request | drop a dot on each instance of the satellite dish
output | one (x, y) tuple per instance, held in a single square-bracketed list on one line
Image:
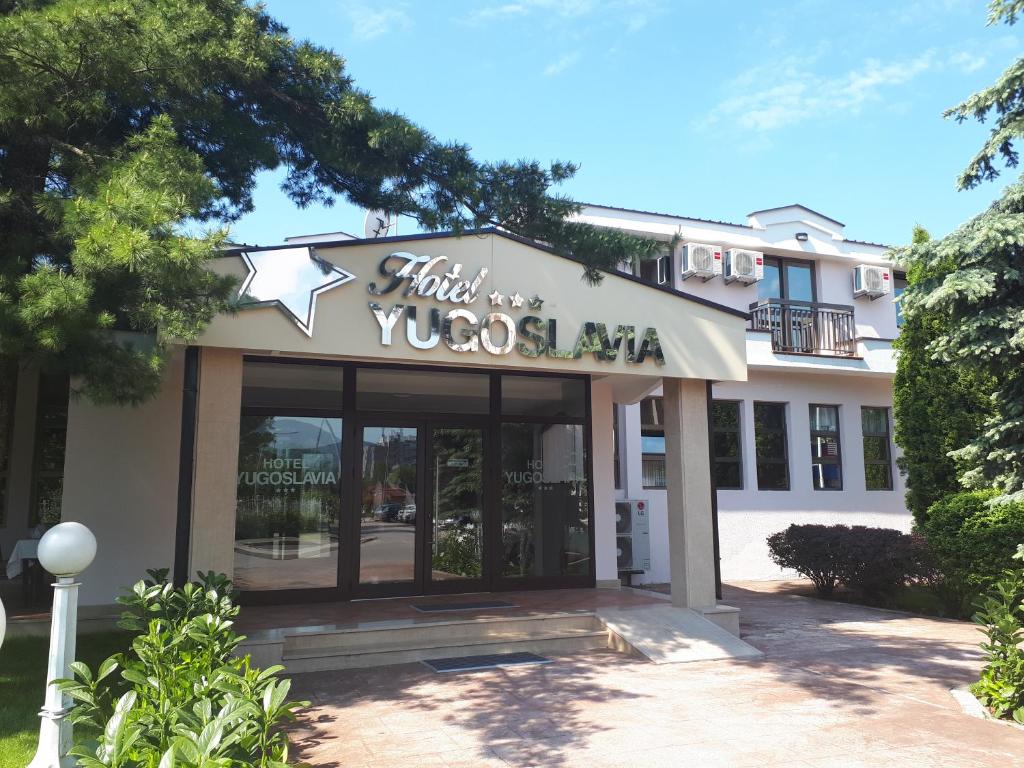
[(378, 224)]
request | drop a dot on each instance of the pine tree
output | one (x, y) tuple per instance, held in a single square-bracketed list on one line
[(131, 133)]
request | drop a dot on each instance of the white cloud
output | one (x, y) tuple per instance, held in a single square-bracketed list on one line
[(787, 92), (637, 12), (563, 62), (372, 21)]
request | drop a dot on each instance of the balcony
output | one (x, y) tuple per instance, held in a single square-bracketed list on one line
[(806, 327)]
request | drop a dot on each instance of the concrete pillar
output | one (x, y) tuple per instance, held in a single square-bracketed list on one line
[(604, 484), (631, 456), (215, 476), (688, 482)]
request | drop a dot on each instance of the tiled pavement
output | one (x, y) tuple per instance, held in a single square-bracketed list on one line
[(841, 686)]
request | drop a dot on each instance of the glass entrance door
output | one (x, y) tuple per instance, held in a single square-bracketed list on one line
[(455, 533), (389, 510)]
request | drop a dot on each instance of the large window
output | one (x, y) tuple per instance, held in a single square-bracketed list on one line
[(652, 442), (726, 444), (877, 457), (771, 446), (545, 500), (826, 458), (51, 436), (289, 477), (787, 279), (8, 390), (657, 271)]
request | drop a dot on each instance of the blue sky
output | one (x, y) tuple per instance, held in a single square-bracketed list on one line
[(701, 109)]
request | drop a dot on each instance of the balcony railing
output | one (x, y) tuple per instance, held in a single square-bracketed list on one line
[(806, 327)]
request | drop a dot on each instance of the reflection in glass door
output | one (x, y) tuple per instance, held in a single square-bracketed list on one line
[(456, 534), (388, 505), (286, 519)]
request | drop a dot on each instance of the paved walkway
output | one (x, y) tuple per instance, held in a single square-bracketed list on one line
[(840, 685)]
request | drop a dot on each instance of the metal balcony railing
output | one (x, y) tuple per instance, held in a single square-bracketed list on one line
[(806, 327)]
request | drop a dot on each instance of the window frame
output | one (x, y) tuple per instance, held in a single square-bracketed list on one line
[(898, 277), (784, 460), (738, 431), (887, 435), (662, 270), (652, 429), (812, 433), (781, 262)]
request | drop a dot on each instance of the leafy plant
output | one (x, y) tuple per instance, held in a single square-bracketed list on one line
[(971, 541), (873, 561), (182, 696), (1001, 617)]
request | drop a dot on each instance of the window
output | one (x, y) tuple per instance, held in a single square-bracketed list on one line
[(877, 458), (51, 435), (728, 453), (543, 397), (771, 446), (656, 271), (787, 279), (826, 461), (899, 285), (8, 390), (652, 442)]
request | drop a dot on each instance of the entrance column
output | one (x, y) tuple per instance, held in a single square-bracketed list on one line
[(688, 482)]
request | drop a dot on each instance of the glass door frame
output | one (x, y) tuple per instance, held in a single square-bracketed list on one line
[(350, 484)]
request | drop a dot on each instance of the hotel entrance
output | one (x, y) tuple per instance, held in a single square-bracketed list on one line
[(358, 482)]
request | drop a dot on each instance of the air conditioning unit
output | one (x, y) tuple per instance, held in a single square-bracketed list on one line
[(701, 260), (743, 266), (633, 535), (871, 281)]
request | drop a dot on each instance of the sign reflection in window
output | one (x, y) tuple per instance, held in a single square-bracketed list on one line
[(286, 520), (545, 504)]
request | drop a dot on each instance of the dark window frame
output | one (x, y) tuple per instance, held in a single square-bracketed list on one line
[(782, 261), (898, 277), (837, 460), (784, 460), (887, 435), (738, 431), (655, 428)]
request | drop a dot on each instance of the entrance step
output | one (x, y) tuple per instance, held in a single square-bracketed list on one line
[(402, 643)]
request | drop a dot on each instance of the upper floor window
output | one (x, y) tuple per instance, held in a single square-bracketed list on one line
[(771, 446), (652, 442), (787, 279), (899, 285), (726, 444), (657, 271), (877, 458), (826, 461)]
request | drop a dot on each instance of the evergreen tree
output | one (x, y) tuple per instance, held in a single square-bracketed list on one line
[(973, 281), (937, 408), (131, 133)]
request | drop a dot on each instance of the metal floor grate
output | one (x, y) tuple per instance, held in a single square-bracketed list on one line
[(462, 606), (488, 661)]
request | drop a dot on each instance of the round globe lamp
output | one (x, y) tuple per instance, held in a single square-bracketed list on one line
[(65, 551)]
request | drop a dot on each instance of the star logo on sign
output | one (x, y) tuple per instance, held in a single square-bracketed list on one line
[(496, 298), (291, 278), (516, 299), (536, 302)]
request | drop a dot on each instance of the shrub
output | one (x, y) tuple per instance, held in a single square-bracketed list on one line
[(182, 697), (811, 550), (972, 543), (1001, 616), (873, 561)]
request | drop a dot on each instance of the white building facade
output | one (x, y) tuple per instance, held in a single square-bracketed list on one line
[(808, 437)]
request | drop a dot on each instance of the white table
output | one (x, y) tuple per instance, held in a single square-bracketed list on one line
[(25, 549)]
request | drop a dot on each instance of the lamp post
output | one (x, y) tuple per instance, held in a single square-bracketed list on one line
[(65, 551)]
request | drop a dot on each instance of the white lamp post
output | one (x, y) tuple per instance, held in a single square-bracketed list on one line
[(65, 551)]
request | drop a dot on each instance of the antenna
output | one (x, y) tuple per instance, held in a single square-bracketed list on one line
[(379, 224)]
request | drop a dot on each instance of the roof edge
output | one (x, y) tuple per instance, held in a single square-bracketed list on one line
[(797, 205)]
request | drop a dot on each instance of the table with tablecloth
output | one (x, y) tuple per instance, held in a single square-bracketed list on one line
[(25, 549)]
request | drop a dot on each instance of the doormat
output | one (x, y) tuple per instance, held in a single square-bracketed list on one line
[(488, 661), (459, 606)]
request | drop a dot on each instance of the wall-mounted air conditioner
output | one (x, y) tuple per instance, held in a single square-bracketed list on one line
[(633, 535), (701, 260), (871, 281), (743, 266)]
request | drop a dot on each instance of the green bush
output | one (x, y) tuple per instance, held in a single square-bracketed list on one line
[(971, 543), (182, 697), (1001, 616), (873, 561)]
